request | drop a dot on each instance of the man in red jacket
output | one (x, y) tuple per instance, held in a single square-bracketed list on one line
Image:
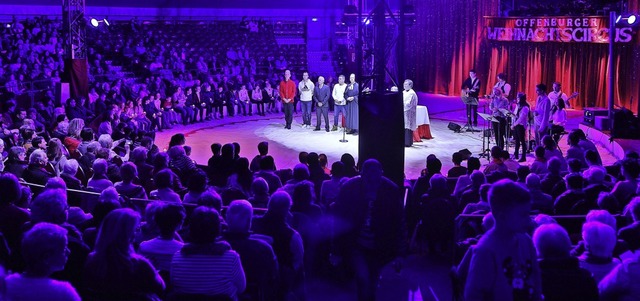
[(287, 91)]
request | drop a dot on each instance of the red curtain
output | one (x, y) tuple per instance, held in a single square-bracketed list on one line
[(448, 40), (77, 71)]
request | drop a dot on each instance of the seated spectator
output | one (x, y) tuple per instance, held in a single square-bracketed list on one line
[(512, 165), (161, 163), (552, 183), (540, 201), (631, 233), (600, 240), (163, 181), (572, 201), (45, 251), (595, 184), (241, 178), (222, 168), (621, 282), (421, 186), (300, 174), (86, 136), (330, 189), (482, 206), (36, 172), (562, 276), (587, 146), (258, 259), (438, 214), (575, 151), (180, 162), (36, 143), (626, 189), (350, 168), (86, 161), (267, 172), (69, 171), (99, 181), (472, 194), (127, 188), (145, 170), (316, 173), (575, 167), (463, 182), (593, 159), (160, 250), (113, 270), (496, 164), (539, 165), (108, 201), (287, 242), (260, 191), (12, 217), (324, 161), (522, 173), (263, 150), (198, 188), (505, 253), (551, 151), (204, 266), (51, 206), (16, 163), (457, 169)]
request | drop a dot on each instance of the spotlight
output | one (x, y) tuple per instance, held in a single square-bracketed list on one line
[(367, 21), (95, 22), (627, 20), (8, 25)]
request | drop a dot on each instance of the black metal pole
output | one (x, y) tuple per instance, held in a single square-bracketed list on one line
[(380, 44), (611, 79), (400, 45)]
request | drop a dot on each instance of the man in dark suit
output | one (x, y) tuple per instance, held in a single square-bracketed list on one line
[(191, 105), (321, 95), (36, 172)]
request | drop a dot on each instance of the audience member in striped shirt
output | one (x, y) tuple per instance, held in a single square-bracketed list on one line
[(204, 266)]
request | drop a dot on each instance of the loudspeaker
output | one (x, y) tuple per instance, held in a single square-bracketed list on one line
[(381, 133), (465, 153), (454, 127)]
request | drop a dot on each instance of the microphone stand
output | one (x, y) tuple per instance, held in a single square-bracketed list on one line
[(344, 135)]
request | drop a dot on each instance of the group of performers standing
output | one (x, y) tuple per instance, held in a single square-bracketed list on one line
[(548, 118), (345, 98)]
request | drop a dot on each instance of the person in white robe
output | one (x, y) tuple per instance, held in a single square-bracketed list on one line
[(410, 100)]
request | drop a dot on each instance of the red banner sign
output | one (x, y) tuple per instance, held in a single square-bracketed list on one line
[(554, 29)]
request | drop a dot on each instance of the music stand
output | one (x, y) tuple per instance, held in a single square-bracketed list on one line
[(486, 146), (469, 101), (508, 114)]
